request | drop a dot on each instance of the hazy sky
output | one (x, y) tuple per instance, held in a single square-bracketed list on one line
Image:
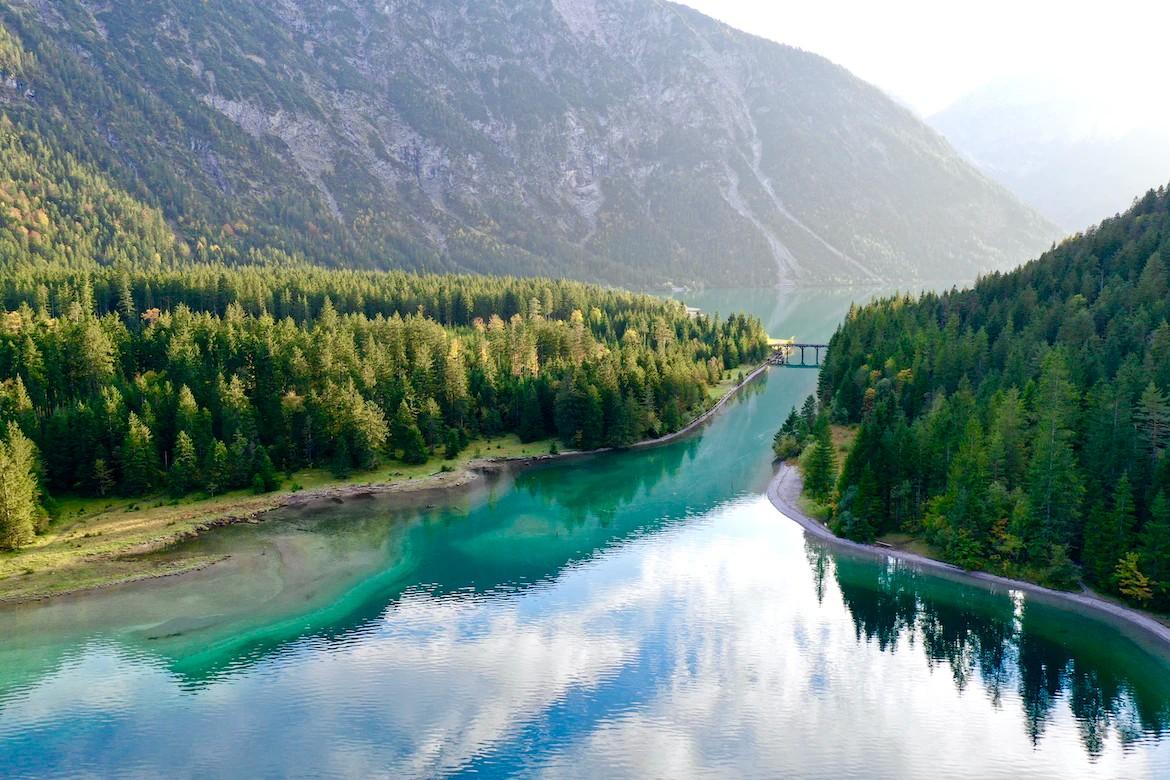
[(930, 52)]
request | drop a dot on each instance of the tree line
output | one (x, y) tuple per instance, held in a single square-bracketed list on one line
[(1022, 425), (128, 381)]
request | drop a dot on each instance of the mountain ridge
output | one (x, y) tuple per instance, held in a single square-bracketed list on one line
[(623, 141)]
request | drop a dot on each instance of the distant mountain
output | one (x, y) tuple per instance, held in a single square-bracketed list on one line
[(627, 141), (1056, 150)]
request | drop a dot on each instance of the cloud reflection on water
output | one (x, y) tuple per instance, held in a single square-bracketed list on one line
[(702, 650)]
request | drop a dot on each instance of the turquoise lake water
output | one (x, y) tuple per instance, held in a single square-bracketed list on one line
[(645, 614)]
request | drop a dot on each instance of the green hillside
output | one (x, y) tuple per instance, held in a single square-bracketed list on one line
[(1022, 425)]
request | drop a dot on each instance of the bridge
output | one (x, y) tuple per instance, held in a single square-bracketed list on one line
[(784, 351)]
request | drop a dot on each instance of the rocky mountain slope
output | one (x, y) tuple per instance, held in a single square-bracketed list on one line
[(629, 141)]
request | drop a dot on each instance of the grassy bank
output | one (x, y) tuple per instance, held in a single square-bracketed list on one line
[(843, 436), (94, 542)]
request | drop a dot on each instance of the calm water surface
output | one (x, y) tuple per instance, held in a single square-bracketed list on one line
[(646, 614)]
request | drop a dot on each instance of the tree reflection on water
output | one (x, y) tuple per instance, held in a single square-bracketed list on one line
[(1013, 648)]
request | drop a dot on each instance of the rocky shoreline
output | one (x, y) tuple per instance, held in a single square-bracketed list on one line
[(784, 492)]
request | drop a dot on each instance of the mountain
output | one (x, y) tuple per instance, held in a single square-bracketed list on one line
[(626, 141), (1022, 425), (1057, 149)]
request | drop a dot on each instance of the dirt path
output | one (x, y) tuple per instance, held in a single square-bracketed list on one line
[(784, 493)]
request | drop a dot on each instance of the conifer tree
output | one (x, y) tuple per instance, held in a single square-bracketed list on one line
[(19, 491), (265, 479), (341, 466), (569, 411), (626, 421), (139, 459), (183, 476), (1153, 417), (592, 420), (1109, 534), (454, 443), (958, 518), (788, 441), (531, 423), (406, 436), (820, 473), (808, 413), (1155, 550), (1054, 488), (239, 462), (1005, 445), (217, 474), (430, 422), (103, 477)]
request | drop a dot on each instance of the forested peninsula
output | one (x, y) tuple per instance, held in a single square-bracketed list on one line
[(153, 374), (1020, 426), (129, 382)]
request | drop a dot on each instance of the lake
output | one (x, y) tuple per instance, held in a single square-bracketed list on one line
[(643, 614)]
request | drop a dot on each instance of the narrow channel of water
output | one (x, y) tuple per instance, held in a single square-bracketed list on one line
[(639, 614)]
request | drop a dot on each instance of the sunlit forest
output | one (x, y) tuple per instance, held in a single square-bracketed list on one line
[(211, 378), (1022, 425)]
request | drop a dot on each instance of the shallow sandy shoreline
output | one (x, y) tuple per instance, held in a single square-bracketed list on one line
[(435, 488), (784, 493)]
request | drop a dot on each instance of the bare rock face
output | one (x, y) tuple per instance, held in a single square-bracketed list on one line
[(627, 141), (582, 19)]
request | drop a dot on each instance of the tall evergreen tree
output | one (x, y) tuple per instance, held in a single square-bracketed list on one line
[(369, 432), (959, 519), (531, 423), (341, 466), (103, 477), (406, 436), (1109, 534), (1006, 448), (217, 472), (820, 472), (1054, 486), (1153, 418), (139, 459), (183, 476), (19, 491), (1155, 550), (265, 479)]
